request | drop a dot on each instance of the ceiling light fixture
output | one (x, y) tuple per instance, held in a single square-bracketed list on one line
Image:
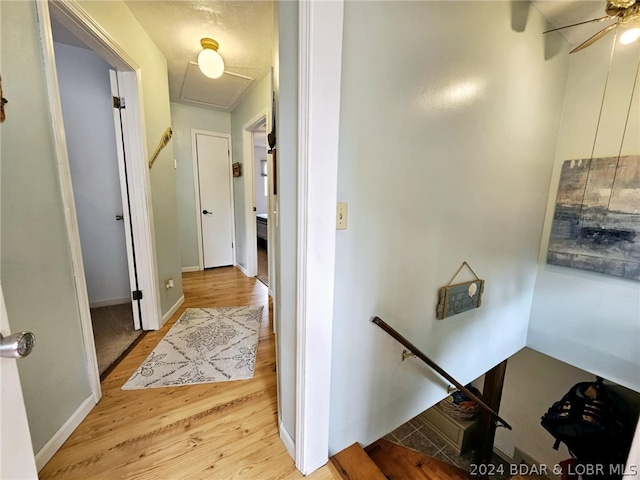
[(209, 60)]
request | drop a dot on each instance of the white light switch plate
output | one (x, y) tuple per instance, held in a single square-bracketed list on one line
[(341, 216)]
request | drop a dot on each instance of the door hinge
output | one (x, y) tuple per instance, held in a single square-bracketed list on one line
[(136, 294), (118, 102)]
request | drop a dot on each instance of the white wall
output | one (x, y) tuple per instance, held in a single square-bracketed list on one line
[(37, 273), (259, 155), (88, 117), (584, 318), (118, 21), (183, 119), (446, 152)]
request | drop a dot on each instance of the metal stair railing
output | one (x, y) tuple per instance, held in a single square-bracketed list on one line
[(416, 351)]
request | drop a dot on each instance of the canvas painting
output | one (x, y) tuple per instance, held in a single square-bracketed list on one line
[(596, 225)]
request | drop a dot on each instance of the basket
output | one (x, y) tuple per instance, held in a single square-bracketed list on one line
[(460, 407)]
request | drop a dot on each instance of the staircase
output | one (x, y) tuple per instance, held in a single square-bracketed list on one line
[(383, 460)]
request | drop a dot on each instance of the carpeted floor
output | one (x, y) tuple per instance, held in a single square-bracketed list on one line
[(113, 333)]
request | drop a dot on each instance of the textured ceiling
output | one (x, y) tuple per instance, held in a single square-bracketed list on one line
[(243, 28)]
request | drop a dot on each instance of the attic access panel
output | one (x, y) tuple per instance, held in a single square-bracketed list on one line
[(219, 93)]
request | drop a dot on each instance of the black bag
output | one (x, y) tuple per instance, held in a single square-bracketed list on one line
[(593, 422)]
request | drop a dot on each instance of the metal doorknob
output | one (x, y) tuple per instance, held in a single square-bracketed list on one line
[(17, 345), (207, 212)]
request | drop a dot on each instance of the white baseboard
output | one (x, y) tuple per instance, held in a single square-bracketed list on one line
[(242, 269), (108, 303), (172, 310), (289, 444), (53, 445), (191, 269), (522, 457)]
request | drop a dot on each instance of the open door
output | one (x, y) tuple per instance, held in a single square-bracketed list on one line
[(16, 451), (134, 184), (134, 282)]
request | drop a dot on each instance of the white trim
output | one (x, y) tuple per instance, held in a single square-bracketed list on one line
[(196, 191), (173, 310), (243, 270), (135, 150), (53, 445), (91, 33), (66, 187), (319, 60), (195, 268), (286, 438), (110, 302), (250, 236)]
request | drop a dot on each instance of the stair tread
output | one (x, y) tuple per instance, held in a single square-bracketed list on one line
[(353, 463), (402, 463)]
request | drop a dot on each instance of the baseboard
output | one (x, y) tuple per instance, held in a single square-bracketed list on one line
[(53, 445), (172, 310), (289, 444), (504, 455), (242, 269), (522, 457), (191, 269), (108, 303)]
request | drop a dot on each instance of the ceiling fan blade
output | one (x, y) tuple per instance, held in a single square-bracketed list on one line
[(595, 38), (595, 20)]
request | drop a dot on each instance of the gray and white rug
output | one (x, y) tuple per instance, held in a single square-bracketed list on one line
[(205, 345)]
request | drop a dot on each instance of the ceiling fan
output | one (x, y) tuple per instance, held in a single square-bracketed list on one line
[(626, 14)]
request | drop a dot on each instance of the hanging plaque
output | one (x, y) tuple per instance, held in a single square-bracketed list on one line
[(460, 297)]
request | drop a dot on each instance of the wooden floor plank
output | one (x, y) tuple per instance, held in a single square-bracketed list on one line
[(353, 463), (401, 463), (215, 431)]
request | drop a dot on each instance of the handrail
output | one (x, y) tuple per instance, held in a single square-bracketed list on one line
[(416, 351)]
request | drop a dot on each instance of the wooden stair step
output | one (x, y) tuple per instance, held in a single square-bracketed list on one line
[(353, 463), (402, 463)]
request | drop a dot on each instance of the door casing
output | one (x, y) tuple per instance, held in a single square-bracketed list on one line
[(83, 26)]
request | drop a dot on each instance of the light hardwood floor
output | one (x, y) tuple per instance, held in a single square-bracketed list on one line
[(212, 431)]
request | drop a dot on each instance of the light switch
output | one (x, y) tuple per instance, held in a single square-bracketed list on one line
[(341, 216)]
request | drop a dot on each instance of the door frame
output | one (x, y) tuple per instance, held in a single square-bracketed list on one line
[(248, 160), (196, 188), (132, 144), (320, 27), (81, 24)]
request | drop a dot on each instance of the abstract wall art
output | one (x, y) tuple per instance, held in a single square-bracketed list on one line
[(596, 224)]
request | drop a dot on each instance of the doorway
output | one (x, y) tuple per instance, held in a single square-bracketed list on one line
[(214, 198), (101, 204), (124, 84), (261, 200)]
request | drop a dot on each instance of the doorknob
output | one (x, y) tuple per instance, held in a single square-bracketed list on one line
[(207, 212), (18, 345)]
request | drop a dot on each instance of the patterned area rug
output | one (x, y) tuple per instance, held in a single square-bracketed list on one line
[(205, 345)]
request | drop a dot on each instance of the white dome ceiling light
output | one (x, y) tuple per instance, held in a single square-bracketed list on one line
[(209, 60)]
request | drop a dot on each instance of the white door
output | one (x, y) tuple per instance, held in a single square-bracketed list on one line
[(16, 452), (125, 174), (216, 202)]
